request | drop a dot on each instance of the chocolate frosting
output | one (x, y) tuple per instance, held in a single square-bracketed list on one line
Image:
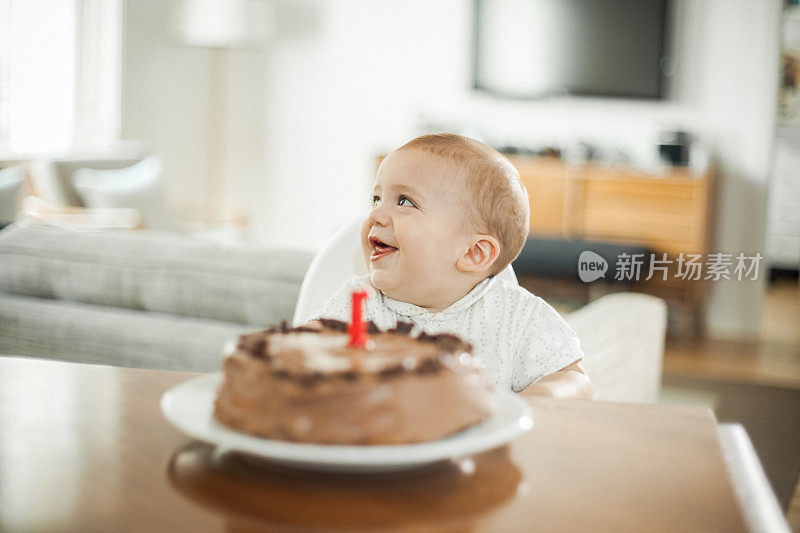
[(305, 384)]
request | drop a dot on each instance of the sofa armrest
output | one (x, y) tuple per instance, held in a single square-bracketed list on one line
[(622, 336)]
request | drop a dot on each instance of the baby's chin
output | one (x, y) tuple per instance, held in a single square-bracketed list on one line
[(385, 284), (401, 292), (378, 281)]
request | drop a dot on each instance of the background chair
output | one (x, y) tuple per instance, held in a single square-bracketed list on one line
[(37, 210), (11, 180), (138, 186), (339, 260)]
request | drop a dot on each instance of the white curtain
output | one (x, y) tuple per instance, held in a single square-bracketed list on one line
[(60, 69)]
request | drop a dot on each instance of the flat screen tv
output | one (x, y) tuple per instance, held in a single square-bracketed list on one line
[(540, 48)]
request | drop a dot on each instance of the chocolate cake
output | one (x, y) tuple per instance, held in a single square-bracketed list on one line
[(307, 385)]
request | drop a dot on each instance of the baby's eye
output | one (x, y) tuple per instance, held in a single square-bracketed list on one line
[(376, 201), (405, 201)]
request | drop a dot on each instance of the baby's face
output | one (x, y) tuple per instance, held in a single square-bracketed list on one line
[(415, 232)]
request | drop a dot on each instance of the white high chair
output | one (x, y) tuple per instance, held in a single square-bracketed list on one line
[(622, 334), (339, 260)]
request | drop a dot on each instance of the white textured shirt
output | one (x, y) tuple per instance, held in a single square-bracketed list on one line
[(518, 336)]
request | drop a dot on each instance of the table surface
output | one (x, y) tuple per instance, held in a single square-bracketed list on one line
[(86, 448)]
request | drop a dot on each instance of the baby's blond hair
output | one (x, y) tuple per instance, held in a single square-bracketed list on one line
[(497, 192)]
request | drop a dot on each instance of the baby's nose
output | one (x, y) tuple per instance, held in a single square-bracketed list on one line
[(379, 216)]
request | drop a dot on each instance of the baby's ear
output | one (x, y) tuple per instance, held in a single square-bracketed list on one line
[(480, 256)]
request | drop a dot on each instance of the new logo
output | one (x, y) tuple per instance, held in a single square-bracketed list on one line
[(591, 266)]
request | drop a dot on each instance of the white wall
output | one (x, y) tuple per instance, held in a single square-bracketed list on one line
[(307, 117), (360, 85), (342, 95), (165, 96)]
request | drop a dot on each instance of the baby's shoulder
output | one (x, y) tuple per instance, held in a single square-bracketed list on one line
[(508, 294)]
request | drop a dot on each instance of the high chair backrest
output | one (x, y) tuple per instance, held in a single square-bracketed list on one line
[(339, 260)]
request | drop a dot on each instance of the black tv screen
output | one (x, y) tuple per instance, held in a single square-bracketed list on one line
[(539, 48)]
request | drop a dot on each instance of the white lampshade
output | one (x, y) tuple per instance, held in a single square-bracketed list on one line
[(224, 23)]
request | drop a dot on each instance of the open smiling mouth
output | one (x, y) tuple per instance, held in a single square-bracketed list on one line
[(379, 249)]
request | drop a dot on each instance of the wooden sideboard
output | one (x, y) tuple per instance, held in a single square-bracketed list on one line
[(671, 212), (668, 212)]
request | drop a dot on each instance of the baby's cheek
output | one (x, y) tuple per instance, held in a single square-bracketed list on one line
[(365, 227)]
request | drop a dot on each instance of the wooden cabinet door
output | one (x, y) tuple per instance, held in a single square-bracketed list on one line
[(548, 182)]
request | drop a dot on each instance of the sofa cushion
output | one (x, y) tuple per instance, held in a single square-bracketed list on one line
[(154, 271), (83, 333)]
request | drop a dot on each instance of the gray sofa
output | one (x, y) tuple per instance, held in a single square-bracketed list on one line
[(165, 301), (137, 298)]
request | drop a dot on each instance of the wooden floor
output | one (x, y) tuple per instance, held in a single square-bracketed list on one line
[(772, 360)]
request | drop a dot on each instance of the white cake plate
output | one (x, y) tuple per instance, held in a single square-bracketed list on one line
[(189, 406)]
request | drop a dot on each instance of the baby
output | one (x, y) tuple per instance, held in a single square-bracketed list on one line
[(448, 215)]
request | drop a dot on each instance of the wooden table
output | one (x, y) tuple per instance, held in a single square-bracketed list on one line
[(86, 448)]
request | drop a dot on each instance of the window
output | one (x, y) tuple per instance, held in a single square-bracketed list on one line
[(60, 67)]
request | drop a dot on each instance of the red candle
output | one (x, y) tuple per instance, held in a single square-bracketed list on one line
[(357, 328)]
